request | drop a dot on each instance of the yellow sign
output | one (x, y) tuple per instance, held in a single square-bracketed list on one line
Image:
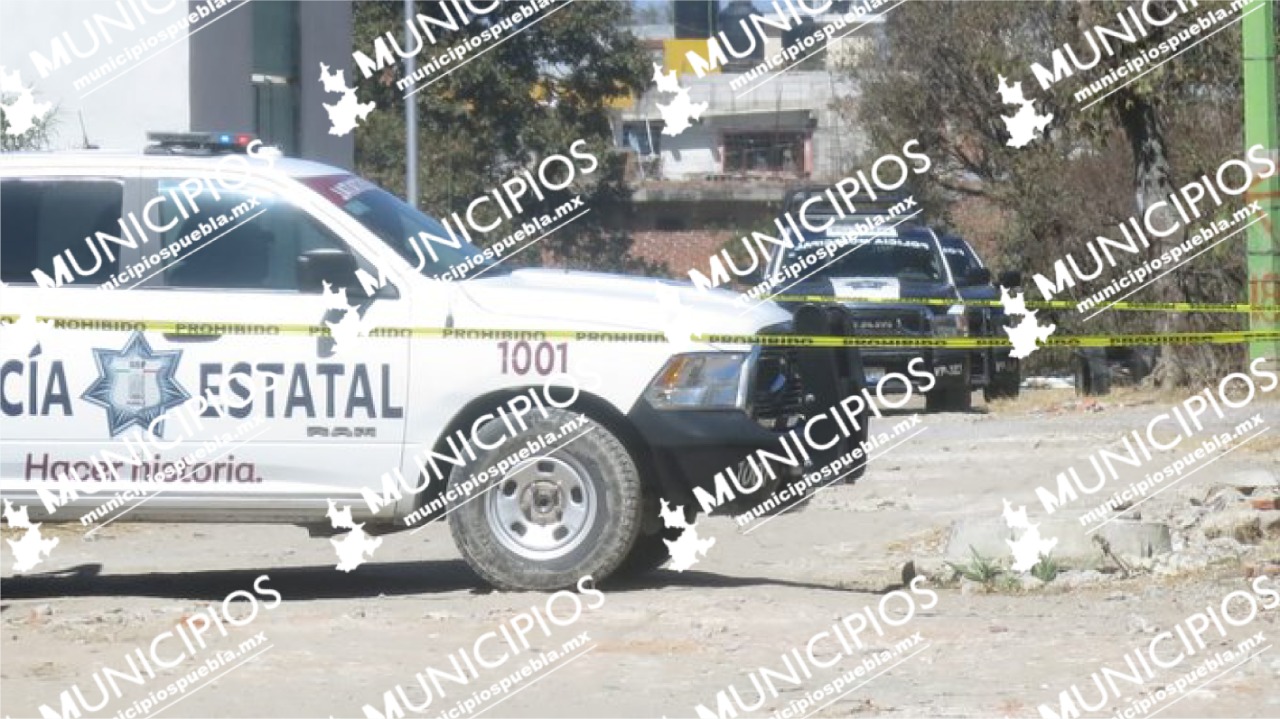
[(675, 55)]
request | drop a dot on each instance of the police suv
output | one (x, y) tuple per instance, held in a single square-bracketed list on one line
[(873, 269), (994, 371), (207, 334)]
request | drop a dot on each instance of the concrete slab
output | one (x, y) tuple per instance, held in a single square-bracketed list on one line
[(1249, 479), (1075, 548)]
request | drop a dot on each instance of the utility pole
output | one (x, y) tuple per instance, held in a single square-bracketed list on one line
[(410, 117), (1260, 127)]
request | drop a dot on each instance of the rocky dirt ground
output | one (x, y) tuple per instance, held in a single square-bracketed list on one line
[(664, 645)]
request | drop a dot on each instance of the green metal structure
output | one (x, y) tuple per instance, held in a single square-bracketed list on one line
[(1260, 127)]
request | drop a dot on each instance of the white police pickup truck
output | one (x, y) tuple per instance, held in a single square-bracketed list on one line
[(186, 374)]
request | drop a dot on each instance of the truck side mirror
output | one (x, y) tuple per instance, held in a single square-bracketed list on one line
[(336, 267), (752, 278), (1011, 278)]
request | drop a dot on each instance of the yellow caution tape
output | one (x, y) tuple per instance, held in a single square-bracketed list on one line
[(980, 342), (462, 333), (1039, 304), (188, 329)]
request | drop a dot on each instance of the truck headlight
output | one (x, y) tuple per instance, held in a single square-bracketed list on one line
[(702, 380), (955, 323)]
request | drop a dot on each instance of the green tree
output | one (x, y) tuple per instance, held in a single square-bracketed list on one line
[(530, 96), (37, 137), (934, 76)]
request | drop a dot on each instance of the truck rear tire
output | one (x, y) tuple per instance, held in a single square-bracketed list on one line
[(1140, 363), (573, 509), (949, 398), (1006, 385), (1093, 374)]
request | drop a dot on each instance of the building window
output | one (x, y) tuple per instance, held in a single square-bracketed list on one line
[(275, 107), (765, 152), (275, 38), (643, 138), (275, 74)]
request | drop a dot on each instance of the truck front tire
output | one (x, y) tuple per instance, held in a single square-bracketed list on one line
[(1006, 384), (572, 509), (649, 553), (1093, 374), (949, 398)]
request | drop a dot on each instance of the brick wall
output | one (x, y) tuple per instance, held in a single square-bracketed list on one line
[(681, 250)]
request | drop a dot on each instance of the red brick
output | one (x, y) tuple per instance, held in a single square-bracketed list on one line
[(681, 250)]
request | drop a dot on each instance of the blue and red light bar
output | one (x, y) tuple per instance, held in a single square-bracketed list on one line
[(198, 143)]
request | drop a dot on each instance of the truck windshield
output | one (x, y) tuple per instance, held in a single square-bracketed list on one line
[(961, 261), (419, 238), (907, 259)]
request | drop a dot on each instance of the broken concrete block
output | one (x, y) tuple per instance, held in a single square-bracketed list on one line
[(1270, 523), (1242, 525), (1074, 548), (1250, 480)]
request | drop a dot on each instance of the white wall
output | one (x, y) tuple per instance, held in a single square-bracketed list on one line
[(149, 93), (691, 154), (786, 102), (695, 152)]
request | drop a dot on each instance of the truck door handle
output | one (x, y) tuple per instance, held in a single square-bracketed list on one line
[(179, 337)]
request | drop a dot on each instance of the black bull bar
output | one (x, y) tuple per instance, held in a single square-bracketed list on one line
[(830, 373)]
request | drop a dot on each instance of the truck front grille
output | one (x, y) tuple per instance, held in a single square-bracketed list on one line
[(881, 323)]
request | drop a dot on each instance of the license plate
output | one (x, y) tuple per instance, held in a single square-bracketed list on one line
[(873, 374)]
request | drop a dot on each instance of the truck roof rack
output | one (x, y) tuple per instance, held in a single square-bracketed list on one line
[(863, 201)]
